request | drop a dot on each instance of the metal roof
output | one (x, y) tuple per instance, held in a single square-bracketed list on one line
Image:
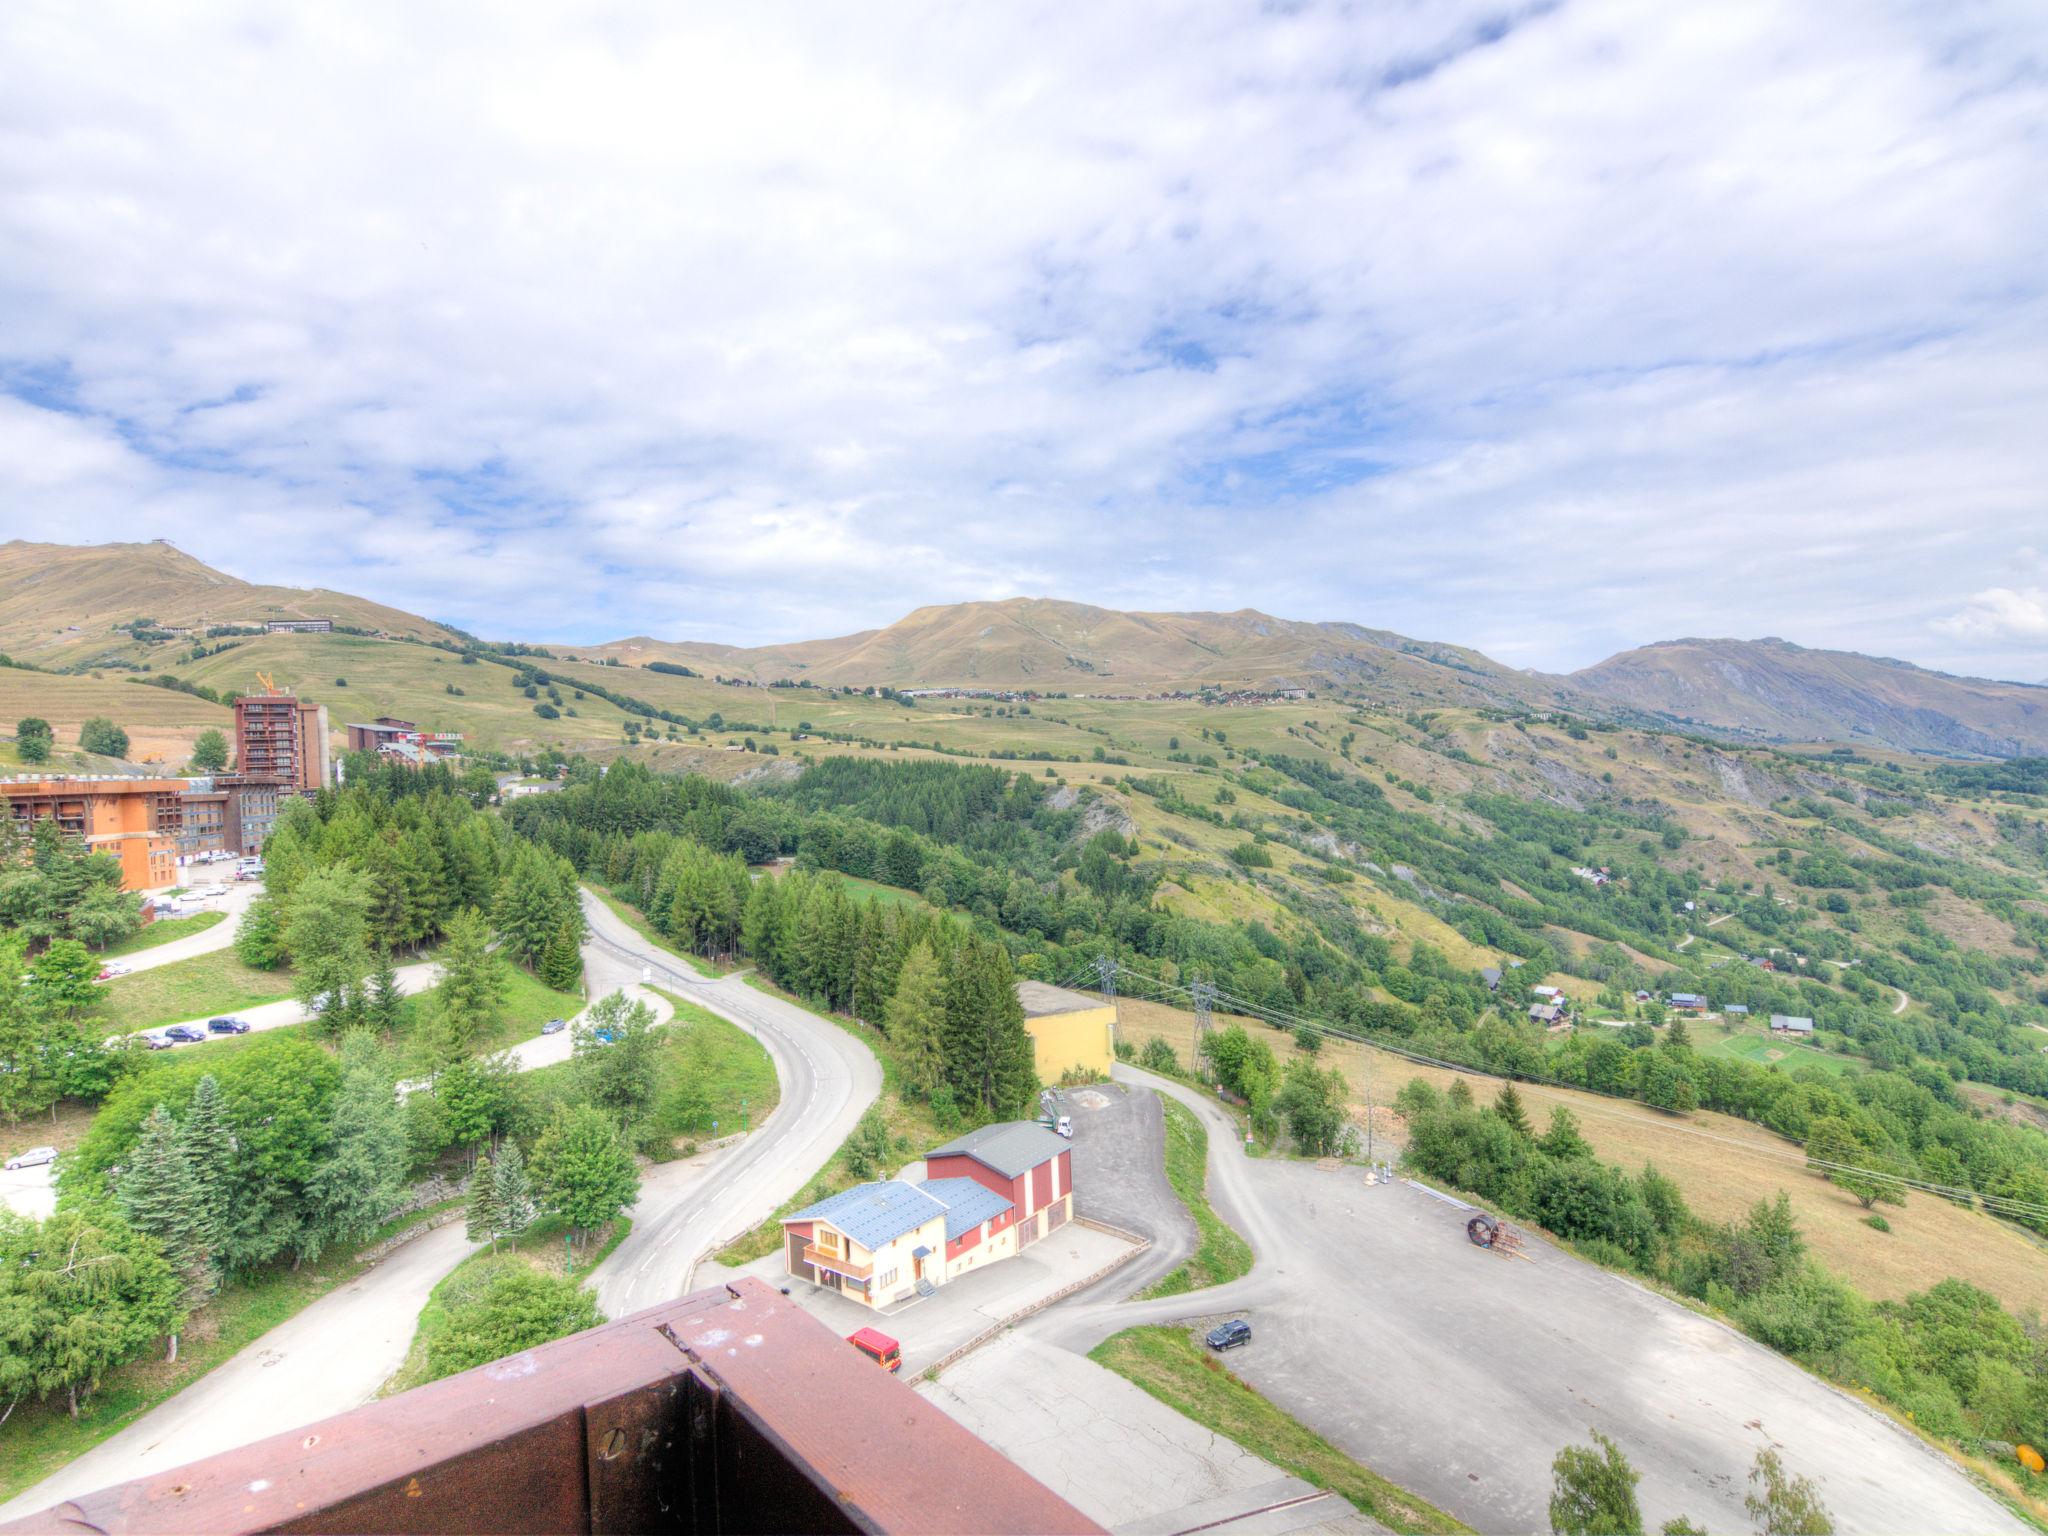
[(1010, 1147), (874, 1214), (1797, 1023), (967, 1204), (1040, 998)]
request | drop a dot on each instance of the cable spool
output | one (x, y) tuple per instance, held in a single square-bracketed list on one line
[(1483, 1230)]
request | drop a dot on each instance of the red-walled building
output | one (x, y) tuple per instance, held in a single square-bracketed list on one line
[(1021, 1161)]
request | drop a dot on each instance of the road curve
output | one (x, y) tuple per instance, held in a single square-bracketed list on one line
[(335, 1354), (828, 1080), (237, 901)]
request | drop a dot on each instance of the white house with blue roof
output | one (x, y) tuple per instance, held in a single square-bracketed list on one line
[(888, 1241)]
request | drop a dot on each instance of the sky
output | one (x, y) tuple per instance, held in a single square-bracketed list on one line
[(1550, 329)]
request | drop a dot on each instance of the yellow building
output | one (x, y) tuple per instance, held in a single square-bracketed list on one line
[(1069, 1031)]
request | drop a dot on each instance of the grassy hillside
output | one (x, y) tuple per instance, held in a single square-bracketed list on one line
[(59, 603), (161, 724)]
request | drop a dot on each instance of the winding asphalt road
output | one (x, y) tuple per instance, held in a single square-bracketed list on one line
[(1459, 1374), (828, 1080), (335, 1354)]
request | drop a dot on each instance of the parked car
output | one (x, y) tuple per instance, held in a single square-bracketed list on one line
[(227, 1026), (554, 1026), (184, 1032), (155, 1043), (604, 1036), (1229, 1335), (34, 1157)]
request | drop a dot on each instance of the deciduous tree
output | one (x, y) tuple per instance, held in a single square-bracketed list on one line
[(1593, 1491), (581, 1171)]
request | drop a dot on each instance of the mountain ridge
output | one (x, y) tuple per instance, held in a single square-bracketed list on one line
[(61, 607)]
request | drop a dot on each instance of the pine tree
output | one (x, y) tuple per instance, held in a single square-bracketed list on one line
[(381, 997), (1509, 1107), (157, 1196), (360, 1179), (511, 1191), (1562, 1139), (483, 1220), (1676, 1036), (472, 990), (561, 963), (988, 1052), (759, 922), (917, 1020), (209, 1148)]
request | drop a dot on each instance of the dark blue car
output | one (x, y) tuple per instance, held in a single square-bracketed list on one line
[(1229, 1335), (184, 1032)]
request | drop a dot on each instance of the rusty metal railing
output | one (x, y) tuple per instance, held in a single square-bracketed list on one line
[(728, 1410)]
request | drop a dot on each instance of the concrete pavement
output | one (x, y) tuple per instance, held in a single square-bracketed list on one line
[(1459, 1374), (1119, 1455)]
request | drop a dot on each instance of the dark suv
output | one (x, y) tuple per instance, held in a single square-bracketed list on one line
[(1229, 1335), (226, 1027)]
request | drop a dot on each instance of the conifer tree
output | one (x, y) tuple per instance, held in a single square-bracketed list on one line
[(561, 963), (511, 1191), (381, 997), (1562, 1139), (483, 1221), (1509, 1107), (472, 990), (988, 1053), (360, 1179), (916, 1018), (156, 1194), (209, 1148)]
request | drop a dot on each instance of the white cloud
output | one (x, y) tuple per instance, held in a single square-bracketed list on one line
[(761, 323), (2000, 614)]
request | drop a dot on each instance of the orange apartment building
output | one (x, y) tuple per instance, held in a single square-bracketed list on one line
[(282, 736), (138, 821)]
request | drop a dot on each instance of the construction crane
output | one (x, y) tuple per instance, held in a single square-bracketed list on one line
[(268, 685)]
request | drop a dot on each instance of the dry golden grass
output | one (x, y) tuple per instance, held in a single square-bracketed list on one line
[(1724, 1165), (161, 724)]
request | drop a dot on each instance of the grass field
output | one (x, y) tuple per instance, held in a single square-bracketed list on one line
[(1724, 1165), (1172, 1366), (41, 1437), (190, 989), (528, 1004), (63, 1125), (1221, 1254), (163, 931), (731, 1066), (1754, 1044)]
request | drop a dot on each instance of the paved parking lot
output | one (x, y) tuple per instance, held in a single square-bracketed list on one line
[(1459, 1374), (1119, 1455)]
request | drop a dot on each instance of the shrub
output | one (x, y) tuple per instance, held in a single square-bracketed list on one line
[(504, 1308), (1158, 1056)]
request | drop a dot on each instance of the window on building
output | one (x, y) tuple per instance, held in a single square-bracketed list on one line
[(885, 1279)]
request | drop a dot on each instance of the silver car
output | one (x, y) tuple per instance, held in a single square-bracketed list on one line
[(34, 1157)]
